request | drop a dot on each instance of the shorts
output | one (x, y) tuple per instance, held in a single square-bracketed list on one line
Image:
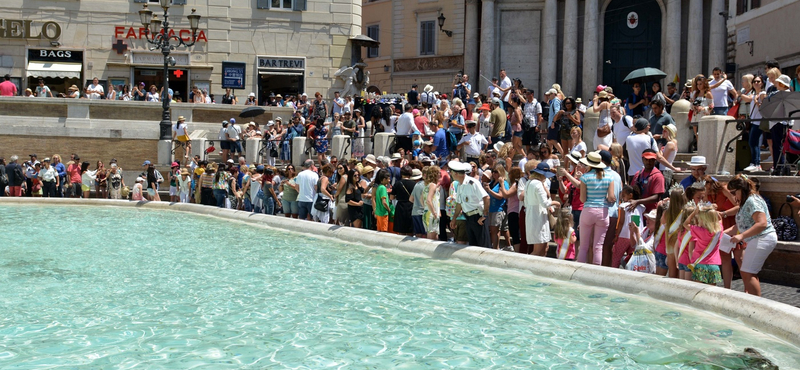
[(304, 209), (553, 133), (85, 187), (15, 191), (683, 267), (183, 138), (290, 207), (225, 145), (236, 146), (419, 227), (564, 134), (661, 260), (151, 192), (498, 219), (382, 223), (707, 274), (757, 251), (530, 137), (173, 191), (460, 233), (518, 133)]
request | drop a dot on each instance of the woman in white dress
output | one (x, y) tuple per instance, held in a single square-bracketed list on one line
[(666, 154), (537, 203), (603, 106)]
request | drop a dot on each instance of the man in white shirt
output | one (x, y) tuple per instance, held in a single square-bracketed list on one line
[(234, 134), (95, 91), (307, 182), (622, 129), (405, 127), (338, 103), (637, 143), (532, 119), (472, 200), (720, 88), (505, 88), (475, 142)]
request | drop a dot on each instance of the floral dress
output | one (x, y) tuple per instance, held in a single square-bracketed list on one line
[(321, 145), (429, 219)]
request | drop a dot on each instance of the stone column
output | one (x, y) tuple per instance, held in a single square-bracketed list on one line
[(694, 40), (717, 43), (569, 64), (549, 40), (673, 58), (471, 41), (590, 57), (488, 57)]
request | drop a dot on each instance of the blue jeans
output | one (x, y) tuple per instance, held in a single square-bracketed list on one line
[(720, 111), (755, 145), (269, 206), (304, 209), (220, 195)]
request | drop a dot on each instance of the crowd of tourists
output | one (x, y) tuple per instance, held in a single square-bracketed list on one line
[(500, 170)]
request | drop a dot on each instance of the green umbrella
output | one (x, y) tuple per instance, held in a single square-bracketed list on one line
[(643, 75)]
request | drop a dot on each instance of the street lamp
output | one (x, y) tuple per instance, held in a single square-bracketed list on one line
[(161, 39), (441, 19)]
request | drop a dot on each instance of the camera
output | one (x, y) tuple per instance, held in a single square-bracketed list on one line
[(789, 198), (457, 78), (697, 102)]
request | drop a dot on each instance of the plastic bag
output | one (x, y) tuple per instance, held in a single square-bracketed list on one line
[(643, 259)]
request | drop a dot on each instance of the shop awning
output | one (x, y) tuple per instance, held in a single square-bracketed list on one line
[(53, 69), (281, 73)]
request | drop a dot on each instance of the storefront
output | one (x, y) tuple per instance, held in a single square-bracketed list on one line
[(59, 69), (280, 75)]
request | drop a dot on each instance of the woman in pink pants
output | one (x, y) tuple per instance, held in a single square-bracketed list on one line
[(597, 192)]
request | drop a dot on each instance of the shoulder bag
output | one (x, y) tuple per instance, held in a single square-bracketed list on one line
[(320, 204)]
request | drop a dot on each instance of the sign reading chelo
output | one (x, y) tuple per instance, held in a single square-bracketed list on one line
[(23, 29)]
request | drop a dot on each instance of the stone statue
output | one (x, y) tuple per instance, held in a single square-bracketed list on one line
[(355, 79)]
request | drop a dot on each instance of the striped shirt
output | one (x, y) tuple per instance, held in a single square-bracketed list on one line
[(596, 189)]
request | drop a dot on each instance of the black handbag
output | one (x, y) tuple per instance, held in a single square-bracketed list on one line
[(785, 227), (321, 204)]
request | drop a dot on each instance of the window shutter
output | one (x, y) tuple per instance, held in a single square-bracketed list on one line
[(739, 7), (139, 1), (755, 4), (178, 2), (262, 4), (299, 5)]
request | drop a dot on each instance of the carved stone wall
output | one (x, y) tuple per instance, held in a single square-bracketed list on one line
[(429, 63)]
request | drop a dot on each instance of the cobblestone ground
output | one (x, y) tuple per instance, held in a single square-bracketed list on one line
[(779, 293)]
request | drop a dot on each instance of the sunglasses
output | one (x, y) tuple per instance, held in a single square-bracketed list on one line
[(757, 81)]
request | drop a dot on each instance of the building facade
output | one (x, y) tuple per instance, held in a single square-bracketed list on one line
[(414, 50), (287, 46), (576, 43), (764, 30)]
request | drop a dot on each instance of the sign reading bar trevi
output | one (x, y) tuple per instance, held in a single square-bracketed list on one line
[(281, 63), (26, 29), (158, 58)]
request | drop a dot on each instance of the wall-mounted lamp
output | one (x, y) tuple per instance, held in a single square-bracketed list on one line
[(386, 68), (725, 14), (55, 43), (750, 43), (441, 24)]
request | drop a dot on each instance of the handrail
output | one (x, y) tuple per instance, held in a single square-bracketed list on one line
[(741, 125)]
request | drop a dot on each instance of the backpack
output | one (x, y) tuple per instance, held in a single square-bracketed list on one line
[(18, 175), (461, 92), (785, 226), (452, 143)]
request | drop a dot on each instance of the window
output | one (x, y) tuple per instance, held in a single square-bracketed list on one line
[(281, 4), (374, 33), (174, 2), (743, 6), (427, 38)]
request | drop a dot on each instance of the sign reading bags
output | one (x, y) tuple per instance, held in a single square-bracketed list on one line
[(64, 56)]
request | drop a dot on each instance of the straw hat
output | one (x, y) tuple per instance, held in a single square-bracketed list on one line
[(602, 95), (688, 83), (366, 170), (371, 159), (184, 171), (428, 88), (73, 88), (415, 174), (497, 146), (593, 160), (697, 161)]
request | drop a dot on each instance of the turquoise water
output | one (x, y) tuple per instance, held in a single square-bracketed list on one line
[(129, 288)]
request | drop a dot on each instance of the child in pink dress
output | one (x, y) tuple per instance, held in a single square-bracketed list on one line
[(706, 235), (564, 236), (682, 243)]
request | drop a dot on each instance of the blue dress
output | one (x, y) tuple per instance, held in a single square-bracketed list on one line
[(321, 145)]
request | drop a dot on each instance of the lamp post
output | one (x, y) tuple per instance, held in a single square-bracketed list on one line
[(162, 40), (441, 19)]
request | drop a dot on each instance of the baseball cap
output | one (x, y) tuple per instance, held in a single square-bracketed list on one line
[(649, 154), (233, 120), (146, 163), (641, 124), (175, 164), (551, 92)]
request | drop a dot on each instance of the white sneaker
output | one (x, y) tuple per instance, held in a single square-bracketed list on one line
[(769, 159), (750, 168)]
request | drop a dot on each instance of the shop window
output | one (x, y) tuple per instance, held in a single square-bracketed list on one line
[(374, 33), (174, 2), (297, 5), (427, 38), (743, 6)]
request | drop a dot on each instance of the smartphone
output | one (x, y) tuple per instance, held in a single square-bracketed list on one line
[(635, 219)]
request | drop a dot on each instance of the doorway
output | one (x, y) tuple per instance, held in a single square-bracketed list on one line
[(284, 84), (632, 40), (178, 80)]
